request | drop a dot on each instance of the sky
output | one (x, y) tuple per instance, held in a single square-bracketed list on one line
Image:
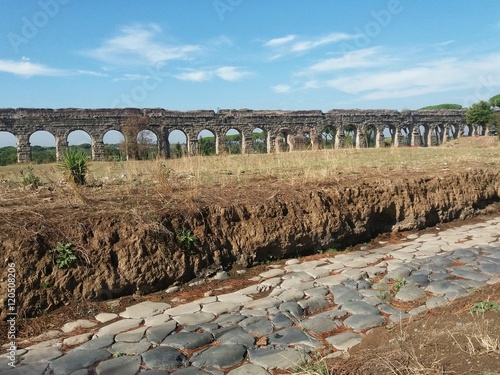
[(257, 54)]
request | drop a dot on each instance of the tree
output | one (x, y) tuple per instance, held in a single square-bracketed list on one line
[(495, 101), (480, 114), (443, 106)]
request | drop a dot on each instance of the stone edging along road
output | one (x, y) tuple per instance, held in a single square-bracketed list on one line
[(308, 301)]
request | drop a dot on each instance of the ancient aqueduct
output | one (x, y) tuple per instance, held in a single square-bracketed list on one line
[(282, 128)]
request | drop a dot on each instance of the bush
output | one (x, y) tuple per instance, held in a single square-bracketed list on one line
[(75, 164), (64, 256)]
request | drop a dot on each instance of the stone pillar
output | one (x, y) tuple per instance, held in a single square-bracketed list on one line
[(192, 146), (246, 144), (163, 145), (23, 149), (98, 151), (61, 147)]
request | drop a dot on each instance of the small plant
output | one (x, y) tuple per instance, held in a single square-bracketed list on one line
[(484, 306), (398, 284), (187, 239), (64, 256), (30, 178), (75, 165)]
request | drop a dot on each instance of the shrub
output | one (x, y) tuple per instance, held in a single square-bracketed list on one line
[(30, 178), (64, 256), (75, 164), (187, 239)]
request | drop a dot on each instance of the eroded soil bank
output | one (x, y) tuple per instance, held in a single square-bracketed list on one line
[(130, 249)]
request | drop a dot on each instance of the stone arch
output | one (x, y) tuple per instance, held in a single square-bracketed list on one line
[(329, 137), (260, 142), (78, 138), (423, 135), (42, 147), (114, 145), (390, 134), (177, 144), (406, 136), (147, 144), (438, 134), (234, 142), (350, 136), (303, 140), (207, 142), (8, 148), (282, 141), (453, 131), (468, 130), (372, 136)]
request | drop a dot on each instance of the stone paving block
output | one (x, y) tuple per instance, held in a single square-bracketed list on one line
[(187, 340), (234, 298), (126, 365), (277, 358), (129, 348), (119, 326), (319, 324), (229, 319), (444, 287), (262, 303), (144, 309), (344, 341), (78, 359), (320, 291), (188, 308), (301, 275), (187, 371), (280, 320), (78, 339), (434, 302), (157, 319), (409, 293), (131, 336), (45, 344), (234, 335), (360, 322), (360, 307), (97, 343), (157, 334), (313, 304), (163, 358), (248, 369), (258, 326), (222, 356), (272, 273), (332, 280), (218, 308), (318, 273), (44, 355), (80, 323), (33, 369), (293, 336), (291, 294), (193, 319), (467, 274), (354, 273)]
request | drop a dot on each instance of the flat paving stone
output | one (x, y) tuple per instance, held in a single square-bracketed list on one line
[(163, 358), (222, 356), (272, 273), (78, 359), (234, 335), (280, 320), (256, 325), (293, 336), (193, 319), (344, 341), (129, 348), (313, 304), (360, 307), (33, 369), (291, 294), (119, 326), (187, 340), (80, 323), (106, 317), (318, 324), (466, 274), (410, 293), (362, 322), (186, 371), (444, 287), (131, 336), (434, 302), (145, 309), (332, 280), (157, 334), (97, 343), (41, 355), (125, 365), (234, 298), (277, 358), (262, 303), (78, 339), (218, 308), (248, 369), (188, 308)]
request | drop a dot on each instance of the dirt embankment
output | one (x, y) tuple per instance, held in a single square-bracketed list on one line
[(121, 252)]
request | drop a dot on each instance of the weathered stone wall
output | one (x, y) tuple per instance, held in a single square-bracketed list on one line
[(283, 129)]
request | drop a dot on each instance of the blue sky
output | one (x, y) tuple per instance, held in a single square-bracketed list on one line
[(257, 54)]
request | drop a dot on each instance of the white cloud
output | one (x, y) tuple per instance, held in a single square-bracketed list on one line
[(442, 44), (91, 73), (425, 78), (226, 73), (306, 45), (282, 89), (26, 68), (357, 59), (230, 73), (139, 44), (279, 41)]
